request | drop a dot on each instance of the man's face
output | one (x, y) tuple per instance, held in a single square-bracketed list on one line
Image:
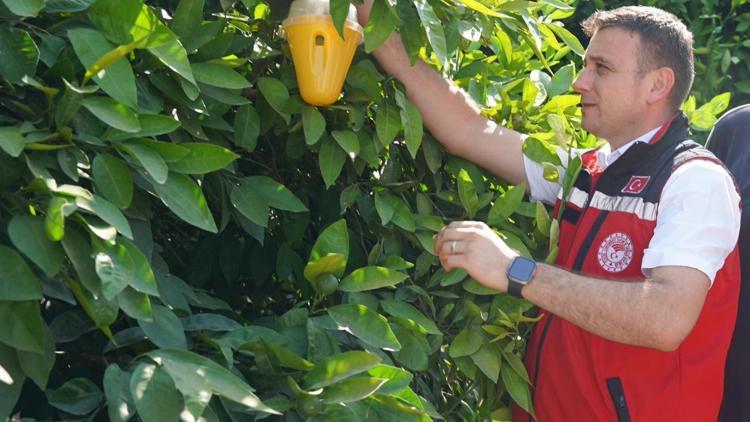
[(613, 93)]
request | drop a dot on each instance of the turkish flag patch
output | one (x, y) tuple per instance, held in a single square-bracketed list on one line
[(636, 184)]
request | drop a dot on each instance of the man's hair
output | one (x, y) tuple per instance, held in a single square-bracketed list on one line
[(664, 42)]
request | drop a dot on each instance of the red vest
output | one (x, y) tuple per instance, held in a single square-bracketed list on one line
[(606, 225)]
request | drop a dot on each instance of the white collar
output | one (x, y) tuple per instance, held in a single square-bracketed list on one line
[(605, 156)]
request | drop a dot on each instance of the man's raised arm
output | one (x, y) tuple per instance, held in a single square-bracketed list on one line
[(448, 112)]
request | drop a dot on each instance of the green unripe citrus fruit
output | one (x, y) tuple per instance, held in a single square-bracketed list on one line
[(326, 284)]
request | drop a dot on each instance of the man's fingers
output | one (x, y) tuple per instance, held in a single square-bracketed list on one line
[(452, 262)]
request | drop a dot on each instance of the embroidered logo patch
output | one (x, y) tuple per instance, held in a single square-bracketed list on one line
[(615, 252), (636, 184)]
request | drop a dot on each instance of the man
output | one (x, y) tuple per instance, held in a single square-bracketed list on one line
[(640, 306), (730, 141)]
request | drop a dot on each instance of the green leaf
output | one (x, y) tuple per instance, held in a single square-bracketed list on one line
[(54, 221), (404, 310), (11, 140), (166, 330), (38, 366), (517, 365), (151, 160), (117, 79), (339, 10), (352, 390), (102, 311), (276, 93), (333, 263), (331, 160), (185, 198), (340, 367), (313, 124), (116, 386), (398, 378), (154, 394), (211, 322), (540, 152), (19, 52), (370, 278), (274, 193), (187, 16), (23, 328), (542, 219), (113, 113), (517, 388), (28, 234), (412, 34), (151, 125), (246, 127), (135, 304), (113, 179), (487, 359), (122, 265), (434, 29), (569, 39), (194, 375), (368, 326), (174, 56), (250, 204), (218, 75), (387, 119), (287, 358), (506, 204), (718, 103), (412, 120), (107, 212), (467, 193), (12, 380), (562, 80), (383, 20), (18, 282), (78, 396), (467, 342), (202, 158), (415, 350), (348, 141), (28, 8)]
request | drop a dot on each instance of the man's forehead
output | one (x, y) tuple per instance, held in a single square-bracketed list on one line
[(611, 44)]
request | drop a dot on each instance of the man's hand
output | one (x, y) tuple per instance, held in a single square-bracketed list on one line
[(476, 249)]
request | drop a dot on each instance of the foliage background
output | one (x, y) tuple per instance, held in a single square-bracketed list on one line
[(181, 237)]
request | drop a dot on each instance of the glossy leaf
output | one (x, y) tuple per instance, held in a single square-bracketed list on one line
[(18, 282), (113, 179), (370, 278), (28, 234), (202, 158), (368, 326), (11, 140), (78, 396), (166, 330), (340, 367), (352, 389), (154, 394), (112, 113), (219, 75), (19, 52), (185, 198), (246, 127), (116, 385)]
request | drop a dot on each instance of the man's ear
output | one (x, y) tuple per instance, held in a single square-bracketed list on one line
[(661, 82)]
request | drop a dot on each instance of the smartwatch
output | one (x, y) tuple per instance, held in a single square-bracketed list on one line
[(520, 272)]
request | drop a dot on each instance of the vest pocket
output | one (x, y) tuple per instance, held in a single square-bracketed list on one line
[(614, 385)]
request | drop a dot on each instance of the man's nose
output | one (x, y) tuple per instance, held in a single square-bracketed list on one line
[(584, 81)]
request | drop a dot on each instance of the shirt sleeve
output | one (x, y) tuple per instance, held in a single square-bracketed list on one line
[(541, 189), (698, 221)]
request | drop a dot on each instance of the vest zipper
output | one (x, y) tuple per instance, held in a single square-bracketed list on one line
[(614, 385), (577, 265)]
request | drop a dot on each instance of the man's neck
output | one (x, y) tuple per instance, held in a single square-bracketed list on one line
[(654, 121)]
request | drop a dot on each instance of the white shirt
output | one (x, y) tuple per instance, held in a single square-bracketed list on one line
[(698, 222)]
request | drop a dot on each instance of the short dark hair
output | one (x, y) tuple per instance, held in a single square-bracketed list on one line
[(664, 39)]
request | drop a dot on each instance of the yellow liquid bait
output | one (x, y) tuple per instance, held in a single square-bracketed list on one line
[(321, 58)]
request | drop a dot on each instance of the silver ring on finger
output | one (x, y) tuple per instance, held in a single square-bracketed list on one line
[(453, 247)]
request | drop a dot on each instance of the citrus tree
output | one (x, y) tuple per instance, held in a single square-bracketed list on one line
[(182, 237)]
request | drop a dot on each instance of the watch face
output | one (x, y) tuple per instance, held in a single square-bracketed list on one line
[(522, 269)]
